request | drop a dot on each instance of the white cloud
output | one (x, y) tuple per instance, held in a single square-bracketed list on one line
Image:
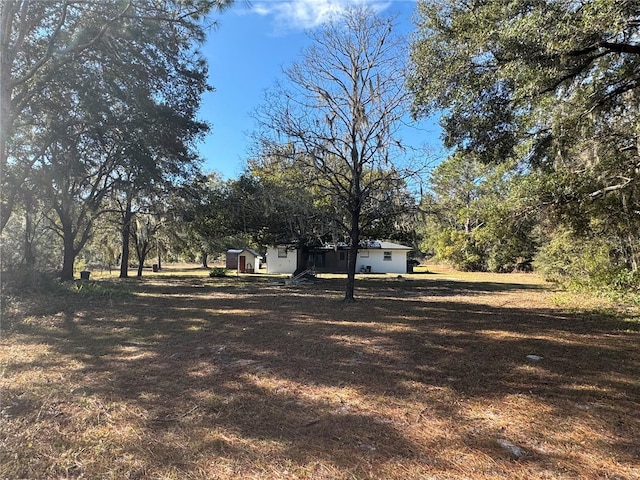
[(307, 14)]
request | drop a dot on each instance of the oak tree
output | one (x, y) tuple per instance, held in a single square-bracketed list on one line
[(339, 110), (553, 85)]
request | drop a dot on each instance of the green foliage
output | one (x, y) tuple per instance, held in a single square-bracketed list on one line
[(460, 249), (474, 219), (25, 244), (26, 280), (77, 122), (509, 72), (552, 87), (590, 264), (218, 272), (628, 280), (99, 289)]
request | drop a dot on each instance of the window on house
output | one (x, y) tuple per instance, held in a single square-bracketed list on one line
[(364, 254), (386, 256), (341, 255), (282, 252)]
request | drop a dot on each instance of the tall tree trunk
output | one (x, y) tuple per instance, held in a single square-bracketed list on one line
[(69, 254), (8, 191), (75, 233), (355, 209), (127, 216), (73, 243), (142, 248), (631, 241), (29, 251), (124, 258), (349, 295), (205, 256)]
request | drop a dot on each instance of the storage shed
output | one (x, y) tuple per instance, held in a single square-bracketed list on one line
[(243, 260)]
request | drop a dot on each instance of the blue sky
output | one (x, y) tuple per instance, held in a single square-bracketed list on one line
[(247, 52)]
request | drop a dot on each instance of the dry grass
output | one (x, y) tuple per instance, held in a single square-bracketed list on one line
[(426, 377)]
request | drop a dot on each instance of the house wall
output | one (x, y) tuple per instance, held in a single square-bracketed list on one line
[(375, 259), (332, 263), (281, 265), (397, 264)]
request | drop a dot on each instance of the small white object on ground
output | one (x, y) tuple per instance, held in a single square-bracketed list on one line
[(514, 450)]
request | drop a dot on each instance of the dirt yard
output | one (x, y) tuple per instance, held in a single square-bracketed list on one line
[(428, 376)]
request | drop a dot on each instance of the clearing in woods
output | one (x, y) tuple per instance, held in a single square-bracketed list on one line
[(433, 376)]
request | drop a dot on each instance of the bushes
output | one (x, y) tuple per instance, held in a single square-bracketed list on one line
[(569, 260), (480, 250), (592, 264), (29, 280), (628, 280), (461, 250), (218, 272)]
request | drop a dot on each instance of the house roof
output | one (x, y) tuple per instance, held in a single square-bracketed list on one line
[(364, 245), (239, 251), (390, 246)]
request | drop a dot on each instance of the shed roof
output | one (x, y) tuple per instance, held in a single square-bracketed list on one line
[(241, 250)]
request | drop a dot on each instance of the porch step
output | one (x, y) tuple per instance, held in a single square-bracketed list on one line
[(309, 272)]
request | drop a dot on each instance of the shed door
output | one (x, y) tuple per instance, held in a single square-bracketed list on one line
[(243, 263)]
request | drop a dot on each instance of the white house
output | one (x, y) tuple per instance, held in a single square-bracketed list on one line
[(281, 259), (373, 257), (382, 257)]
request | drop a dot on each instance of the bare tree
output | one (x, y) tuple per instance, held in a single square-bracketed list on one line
[(340, 109)]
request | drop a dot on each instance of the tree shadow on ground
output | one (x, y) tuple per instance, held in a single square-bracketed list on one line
[(294, 372)]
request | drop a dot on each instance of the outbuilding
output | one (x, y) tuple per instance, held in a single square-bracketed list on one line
[(243, 260)]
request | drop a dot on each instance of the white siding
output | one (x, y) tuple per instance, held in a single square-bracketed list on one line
[(375, 259), (277, 264), (251, 258), (252, 261)]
